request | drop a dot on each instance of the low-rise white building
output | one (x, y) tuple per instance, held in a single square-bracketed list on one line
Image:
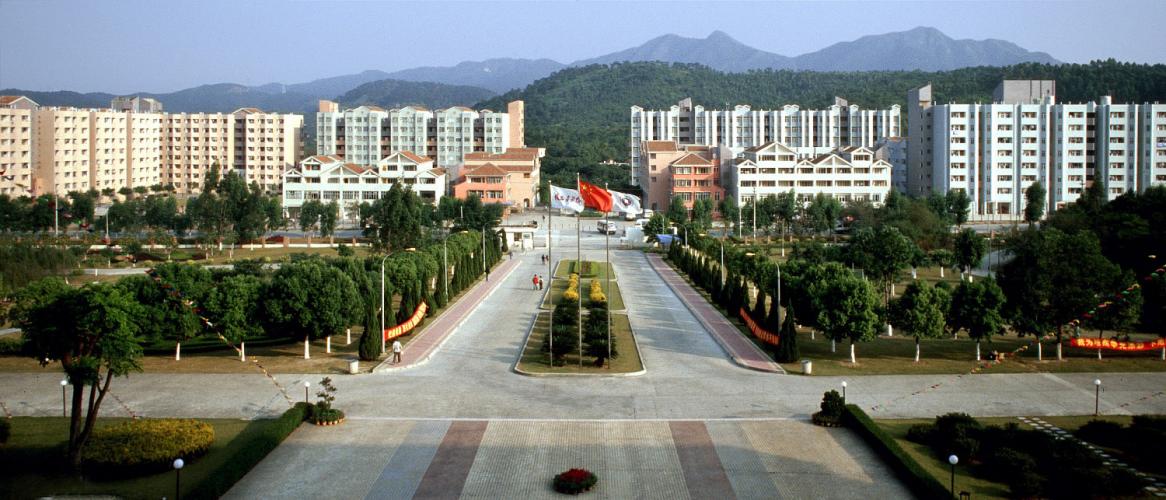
[(329, 178), (847, 174)]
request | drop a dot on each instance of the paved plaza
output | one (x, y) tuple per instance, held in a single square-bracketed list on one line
[(463, 423)]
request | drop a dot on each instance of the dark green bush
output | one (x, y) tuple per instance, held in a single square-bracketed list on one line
[(230, 472), (955, 433), (1102, 433), (832, 404), (919, 433), (146, 446), (5, 430), (1008, 465), (1149, 422), (10, 346)]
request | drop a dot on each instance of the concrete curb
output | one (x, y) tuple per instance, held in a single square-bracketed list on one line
[(381, 368), (709, 328), (530, 331)]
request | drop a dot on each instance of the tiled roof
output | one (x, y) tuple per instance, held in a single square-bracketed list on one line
[(759, 147), (659, 146), (356, 169), (693, 159), (410, 155), (248, 111), (514, 154), (487, 169), (327, 158)]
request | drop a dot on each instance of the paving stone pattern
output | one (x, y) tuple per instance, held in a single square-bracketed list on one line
[(1154, 487)]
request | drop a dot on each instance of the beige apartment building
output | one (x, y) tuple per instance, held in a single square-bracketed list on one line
[(17, 169), (510, 178), (59, 150)]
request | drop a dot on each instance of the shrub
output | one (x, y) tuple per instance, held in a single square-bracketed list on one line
[(1102, 432), (575, 481), (323, 412), (919, 433), (5, 430), (956, 433), (146, 446), (832, 404), (1010, 466), (10, 346)]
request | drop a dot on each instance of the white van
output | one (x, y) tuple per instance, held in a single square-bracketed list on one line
[(605, 227)]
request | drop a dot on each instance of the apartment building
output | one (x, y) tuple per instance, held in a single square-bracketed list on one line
[(17, 151), (109, 134), (265, 145), (810, 131), (365, 134), (848, 174), (63, 150), (136, 104), (143, 149), (330, 178), (510, 178), (194, 142), (994, 152), (691, 172)]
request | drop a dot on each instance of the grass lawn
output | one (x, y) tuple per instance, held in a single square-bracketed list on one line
[(978, 487), (568, 266), (31, 462), (535, 361), (275, 252), (278, 358), (558, 286)]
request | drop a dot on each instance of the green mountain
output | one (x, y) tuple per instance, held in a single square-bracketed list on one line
[(397, 93)]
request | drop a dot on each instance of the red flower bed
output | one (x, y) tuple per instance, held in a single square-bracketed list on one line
[(575, 481)]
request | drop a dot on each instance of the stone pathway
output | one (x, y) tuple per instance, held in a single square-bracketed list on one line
[(1156, 488), (668, 460), (743, 351), (420, 349)]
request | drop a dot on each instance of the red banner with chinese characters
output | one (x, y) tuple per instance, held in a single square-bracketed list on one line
[(1116, 345), (758, 332), (409, 324)]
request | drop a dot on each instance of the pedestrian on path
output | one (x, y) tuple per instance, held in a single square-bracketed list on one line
[(535, 281), (396, 351), (540, 282)]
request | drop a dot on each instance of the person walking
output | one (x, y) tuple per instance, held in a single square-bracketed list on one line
[(540, 282), (535, 281), (396, 351)]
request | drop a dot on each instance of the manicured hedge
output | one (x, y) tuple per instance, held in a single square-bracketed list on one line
[(924, 485), (140, 447), (230, 472), (5, 430)]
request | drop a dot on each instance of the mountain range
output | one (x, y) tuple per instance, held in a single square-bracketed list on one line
[(469, 82)]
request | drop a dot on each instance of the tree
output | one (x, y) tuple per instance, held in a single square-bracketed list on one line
[(677, 211), (822, 213), (656, 225), (233, 307), (311, 299), (958, 205), (787, 345), (919, 312), (847, 309), (310, 215), (394, 223), (595, 335), (702, 214), (1034, 202), (1118, 315), (976, 308), (970, 248), (883, 252), (728, 210), (92, 332), (942, 258), (328, 217), (370, 341)]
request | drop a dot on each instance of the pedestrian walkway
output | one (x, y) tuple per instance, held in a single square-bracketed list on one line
[(422, 347), (671, 460), (1153, 486), (743, 351)]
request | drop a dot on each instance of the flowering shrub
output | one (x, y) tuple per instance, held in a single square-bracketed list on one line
[(146, 446), (572, 292), (575, 481), (597, 295)]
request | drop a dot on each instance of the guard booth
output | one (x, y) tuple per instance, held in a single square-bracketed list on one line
[(519, 237)]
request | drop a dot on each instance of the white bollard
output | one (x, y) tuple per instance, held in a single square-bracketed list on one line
[(307, 355), (348, 336), (178, 351), (328, 344), (243, 352)]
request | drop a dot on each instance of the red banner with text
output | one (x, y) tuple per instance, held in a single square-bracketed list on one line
[(758, 332), (409, 324), (1117, 345)]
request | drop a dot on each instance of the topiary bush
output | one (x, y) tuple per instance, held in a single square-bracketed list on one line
[(831, 409), (5, 430), (148, 446), (575, 481), (323, 413)]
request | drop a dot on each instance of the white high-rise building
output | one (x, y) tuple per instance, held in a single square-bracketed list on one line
[(366, 134), (808, 131), (994, 152)]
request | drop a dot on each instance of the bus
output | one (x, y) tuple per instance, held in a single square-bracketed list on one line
[(605, 227)]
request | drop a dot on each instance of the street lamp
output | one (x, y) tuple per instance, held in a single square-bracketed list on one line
[(306, 386), (1096, 396), (64, 384), (953, 460), (844, 391), (178, 465)]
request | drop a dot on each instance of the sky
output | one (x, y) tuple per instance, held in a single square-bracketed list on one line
[(124, 46)]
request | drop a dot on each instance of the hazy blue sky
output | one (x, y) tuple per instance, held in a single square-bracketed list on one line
[(160, 46)]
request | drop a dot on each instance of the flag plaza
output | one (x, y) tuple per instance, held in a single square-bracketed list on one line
[(586, 196)]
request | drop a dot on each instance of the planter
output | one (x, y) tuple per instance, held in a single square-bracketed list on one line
[(826, 421), (331, 417), (575, 481)]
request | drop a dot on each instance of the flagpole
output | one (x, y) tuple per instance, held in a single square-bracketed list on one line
[(607, 271), (579, 266), (550, 275)]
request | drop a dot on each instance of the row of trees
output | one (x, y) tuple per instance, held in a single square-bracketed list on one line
[(99, 331)]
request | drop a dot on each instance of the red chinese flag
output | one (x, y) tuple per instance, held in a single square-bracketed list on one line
[(595, 197)]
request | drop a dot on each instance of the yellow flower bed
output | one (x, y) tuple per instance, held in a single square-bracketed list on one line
[(597, 292), (572, 292), (146, 446)]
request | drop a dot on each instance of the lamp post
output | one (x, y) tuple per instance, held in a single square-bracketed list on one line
[(843, 391), (178, 465), (306, 386), (64, 384), (1096, 396), (953, 460), (444, 267)]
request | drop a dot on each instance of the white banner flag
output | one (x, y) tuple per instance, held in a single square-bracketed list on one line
[(566, 198), (625, 203)]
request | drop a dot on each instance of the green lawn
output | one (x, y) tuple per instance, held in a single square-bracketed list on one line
[(965, 481), (558, 286), (535, 361), (31, 464), (568, 266)]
